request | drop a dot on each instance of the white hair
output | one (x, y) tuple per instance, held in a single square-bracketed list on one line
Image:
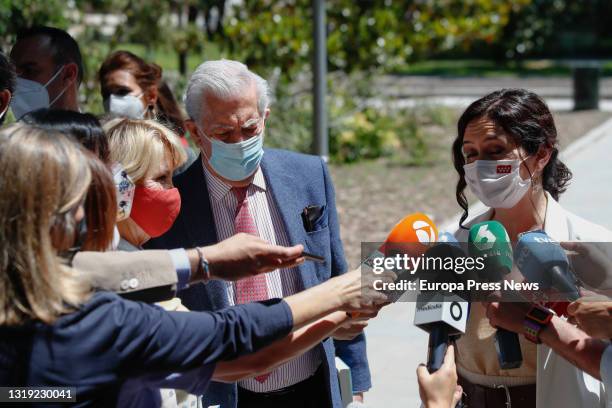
[(223, 79)]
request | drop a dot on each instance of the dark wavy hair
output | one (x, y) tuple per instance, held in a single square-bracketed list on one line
[(527, 120)]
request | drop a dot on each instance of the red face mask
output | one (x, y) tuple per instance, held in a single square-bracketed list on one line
[(155, 210)]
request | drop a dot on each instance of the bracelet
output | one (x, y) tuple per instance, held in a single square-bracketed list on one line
[(536, 319), (203, 264), (532, 331)]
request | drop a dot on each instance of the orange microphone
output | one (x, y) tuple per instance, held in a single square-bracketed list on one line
[(412, 236)]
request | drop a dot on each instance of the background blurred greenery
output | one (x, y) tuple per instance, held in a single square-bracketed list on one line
[(365, 38)]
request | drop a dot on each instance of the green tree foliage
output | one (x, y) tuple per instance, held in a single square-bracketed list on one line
[(16, 14), (364, 34), (557, 29)]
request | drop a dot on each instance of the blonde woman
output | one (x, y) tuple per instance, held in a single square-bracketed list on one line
[(149, 153), (54, 331)]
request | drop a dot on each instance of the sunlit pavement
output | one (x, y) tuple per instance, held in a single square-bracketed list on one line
[(590, 193)]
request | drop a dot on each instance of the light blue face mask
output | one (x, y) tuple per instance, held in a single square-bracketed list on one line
[(236, 161)]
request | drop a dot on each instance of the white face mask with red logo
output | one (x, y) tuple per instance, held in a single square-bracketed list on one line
[(497, 183)]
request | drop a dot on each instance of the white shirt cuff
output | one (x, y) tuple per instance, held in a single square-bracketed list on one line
[(183, 268)]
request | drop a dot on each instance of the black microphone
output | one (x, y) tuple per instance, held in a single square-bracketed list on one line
[(442, 314)]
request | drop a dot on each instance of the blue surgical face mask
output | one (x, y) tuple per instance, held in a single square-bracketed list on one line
[(31, 95), (236, 161)]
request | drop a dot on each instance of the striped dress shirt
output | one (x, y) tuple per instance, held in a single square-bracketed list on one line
[(281, 282)]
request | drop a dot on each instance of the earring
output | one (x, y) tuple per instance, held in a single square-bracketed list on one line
[(536, 182), (151, 114)]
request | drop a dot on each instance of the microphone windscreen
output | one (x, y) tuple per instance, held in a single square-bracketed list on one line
[(536, 254), (446, 248), (490, 241)]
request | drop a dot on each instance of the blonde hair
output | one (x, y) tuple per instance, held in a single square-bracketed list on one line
[(141, 145), (45, 177)]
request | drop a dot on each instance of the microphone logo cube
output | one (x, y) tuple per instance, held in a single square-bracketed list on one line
[(451, 310), (424, 232), (485, 239)]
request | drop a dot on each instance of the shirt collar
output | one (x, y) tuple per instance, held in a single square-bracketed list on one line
[(219, 189), (555, 221)]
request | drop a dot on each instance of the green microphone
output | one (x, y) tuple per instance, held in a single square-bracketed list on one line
[(490, 241)]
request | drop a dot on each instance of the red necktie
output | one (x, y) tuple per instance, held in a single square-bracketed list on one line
[(253, 288)]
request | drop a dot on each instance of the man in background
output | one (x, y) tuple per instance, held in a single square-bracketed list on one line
[(49, 70), (283, 197)]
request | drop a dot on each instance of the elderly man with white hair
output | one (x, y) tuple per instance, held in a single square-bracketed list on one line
[(283, 197)]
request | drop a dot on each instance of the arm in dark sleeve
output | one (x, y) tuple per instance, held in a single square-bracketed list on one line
[(352, 352), (151, 338)]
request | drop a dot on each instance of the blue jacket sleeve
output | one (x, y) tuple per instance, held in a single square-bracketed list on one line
[(153, 339), (352, 352)]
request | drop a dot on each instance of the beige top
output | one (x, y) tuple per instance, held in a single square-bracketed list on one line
[(477, 357)]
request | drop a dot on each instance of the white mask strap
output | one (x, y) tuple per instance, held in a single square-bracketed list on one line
[(63, 90), (54, 76)]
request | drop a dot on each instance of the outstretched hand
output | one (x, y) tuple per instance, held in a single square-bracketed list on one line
[(593, 315), (245, 255), (507, 315), (359, 293)]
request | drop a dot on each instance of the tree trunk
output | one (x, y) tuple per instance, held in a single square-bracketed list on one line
[(182, 57)]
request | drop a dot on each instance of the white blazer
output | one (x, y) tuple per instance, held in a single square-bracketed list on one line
[(559, 384)]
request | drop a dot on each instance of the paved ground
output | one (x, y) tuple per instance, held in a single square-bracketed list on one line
[(414, 85), (590, 194), (408, 91), (395, 346)]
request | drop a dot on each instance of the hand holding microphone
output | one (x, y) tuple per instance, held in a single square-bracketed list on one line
[(440, 389), (411, 236), (592, 264), (593, 315), (357, 293)]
